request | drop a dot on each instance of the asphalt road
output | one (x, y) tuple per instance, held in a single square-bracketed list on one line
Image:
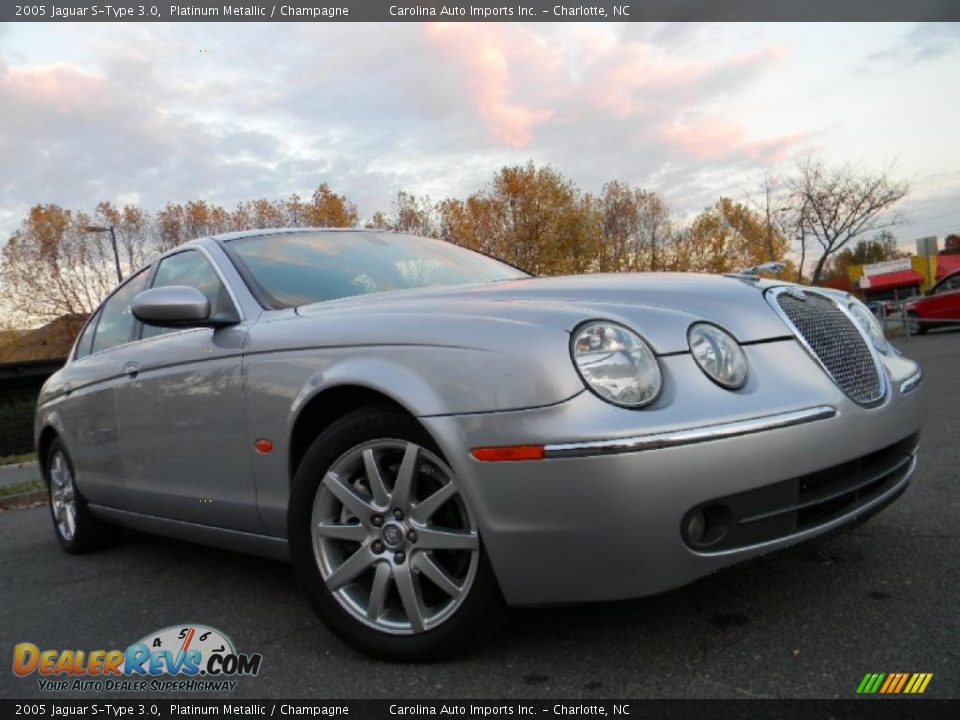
[(808, 622)]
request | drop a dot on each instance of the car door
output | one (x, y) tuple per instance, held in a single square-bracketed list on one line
[(180, 412), (945, 300), (85, 390)]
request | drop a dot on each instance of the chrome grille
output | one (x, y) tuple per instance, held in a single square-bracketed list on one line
[(836, 342)]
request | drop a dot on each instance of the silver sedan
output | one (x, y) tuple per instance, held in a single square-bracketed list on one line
[(429, 434)]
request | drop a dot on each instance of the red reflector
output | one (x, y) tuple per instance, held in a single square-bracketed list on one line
[(263, 445), (510, 453)]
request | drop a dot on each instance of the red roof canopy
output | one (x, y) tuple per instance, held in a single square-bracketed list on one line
[(947, 264), (900, 278)]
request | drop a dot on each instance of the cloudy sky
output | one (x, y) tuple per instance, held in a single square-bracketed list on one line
[(168, 112)]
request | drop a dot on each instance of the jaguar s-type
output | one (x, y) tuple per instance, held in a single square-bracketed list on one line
[(429, 434)]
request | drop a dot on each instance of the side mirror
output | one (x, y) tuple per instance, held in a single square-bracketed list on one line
[(175, 306)]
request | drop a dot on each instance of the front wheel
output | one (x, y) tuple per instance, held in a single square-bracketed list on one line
[(384, 542), (914, 326)]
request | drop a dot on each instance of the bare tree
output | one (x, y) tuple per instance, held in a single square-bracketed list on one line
[(771, 199), (414, 215), (834, 206), (635, 227)]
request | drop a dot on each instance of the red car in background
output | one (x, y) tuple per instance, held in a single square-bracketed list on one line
[(940, 305)]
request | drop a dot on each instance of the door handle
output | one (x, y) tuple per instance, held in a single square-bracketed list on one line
[(67, 388), (131, 369)]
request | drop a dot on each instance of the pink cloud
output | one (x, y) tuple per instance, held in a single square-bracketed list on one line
[(489, 56), (518, 80), (704, 139), (712, 138), (58, 88), (636, 78)]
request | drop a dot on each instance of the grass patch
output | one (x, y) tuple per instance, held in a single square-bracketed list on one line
[(23, 487), (17, 459)]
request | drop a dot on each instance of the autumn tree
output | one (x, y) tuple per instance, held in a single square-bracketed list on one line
[(880, 248), (729, 237), (195, 218), (52, 266), (295, 212), (259, 214), (379, 221), (832, 207), (951, 245), (411, 214), (532, 217), (414, 215), (635, 229), (134, 228), (329, 210)]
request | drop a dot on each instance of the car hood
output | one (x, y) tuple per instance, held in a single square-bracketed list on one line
[(660, 306)]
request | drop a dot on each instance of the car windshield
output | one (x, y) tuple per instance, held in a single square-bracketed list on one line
[(298, 268)]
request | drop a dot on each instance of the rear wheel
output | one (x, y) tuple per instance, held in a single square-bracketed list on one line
[(914, 326), (384, 543), (76, 528)]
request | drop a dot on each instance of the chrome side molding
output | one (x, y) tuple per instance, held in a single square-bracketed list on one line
[(689, 436)]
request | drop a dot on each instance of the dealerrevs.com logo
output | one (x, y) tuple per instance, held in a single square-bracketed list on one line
[(181, 658)]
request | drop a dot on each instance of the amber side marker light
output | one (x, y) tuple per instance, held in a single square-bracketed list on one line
[(508, 453)]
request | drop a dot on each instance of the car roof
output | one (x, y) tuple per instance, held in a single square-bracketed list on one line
[(226, 237)]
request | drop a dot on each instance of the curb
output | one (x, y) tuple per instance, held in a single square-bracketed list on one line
[(22, 500)]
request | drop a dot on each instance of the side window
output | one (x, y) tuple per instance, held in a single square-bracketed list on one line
[(86, 338), (116, 320), (948, 285), (193, 269)]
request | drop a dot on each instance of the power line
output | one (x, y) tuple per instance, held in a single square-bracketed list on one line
[(929, 219)]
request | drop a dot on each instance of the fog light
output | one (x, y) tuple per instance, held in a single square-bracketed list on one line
[(696, 527), (706, 525)]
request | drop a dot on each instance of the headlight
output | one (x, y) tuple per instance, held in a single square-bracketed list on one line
[(868, 322), (616, 364), (718, 355)]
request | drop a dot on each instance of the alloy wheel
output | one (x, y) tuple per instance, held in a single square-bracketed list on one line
[(393, 538), (63, 498)]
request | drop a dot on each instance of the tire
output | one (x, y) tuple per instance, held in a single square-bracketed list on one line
[(409, 586), (914, 326), (75, 527)]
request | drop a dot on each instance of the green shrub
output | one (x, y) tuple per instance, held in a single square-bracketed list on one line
[(16, 427)]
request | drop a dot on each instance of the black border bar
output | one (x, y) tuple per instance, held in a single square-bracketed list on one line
[(478, 10), (142, 707)]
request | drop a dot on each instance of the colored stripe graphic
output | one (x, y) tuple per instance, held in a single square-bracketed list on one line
[(894, 683), (870, 683), (903, 680), (891, 680)]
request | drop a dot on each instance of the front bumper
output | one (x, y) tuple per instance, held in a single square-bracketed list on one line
[(602, 517)]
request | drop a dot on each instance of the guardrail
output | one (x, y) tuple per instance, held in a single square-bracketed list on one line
[(910, 324)]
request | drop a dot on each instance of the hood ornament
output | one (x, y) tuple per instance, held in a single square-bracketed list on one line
[(753, 273), (796, 293)]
